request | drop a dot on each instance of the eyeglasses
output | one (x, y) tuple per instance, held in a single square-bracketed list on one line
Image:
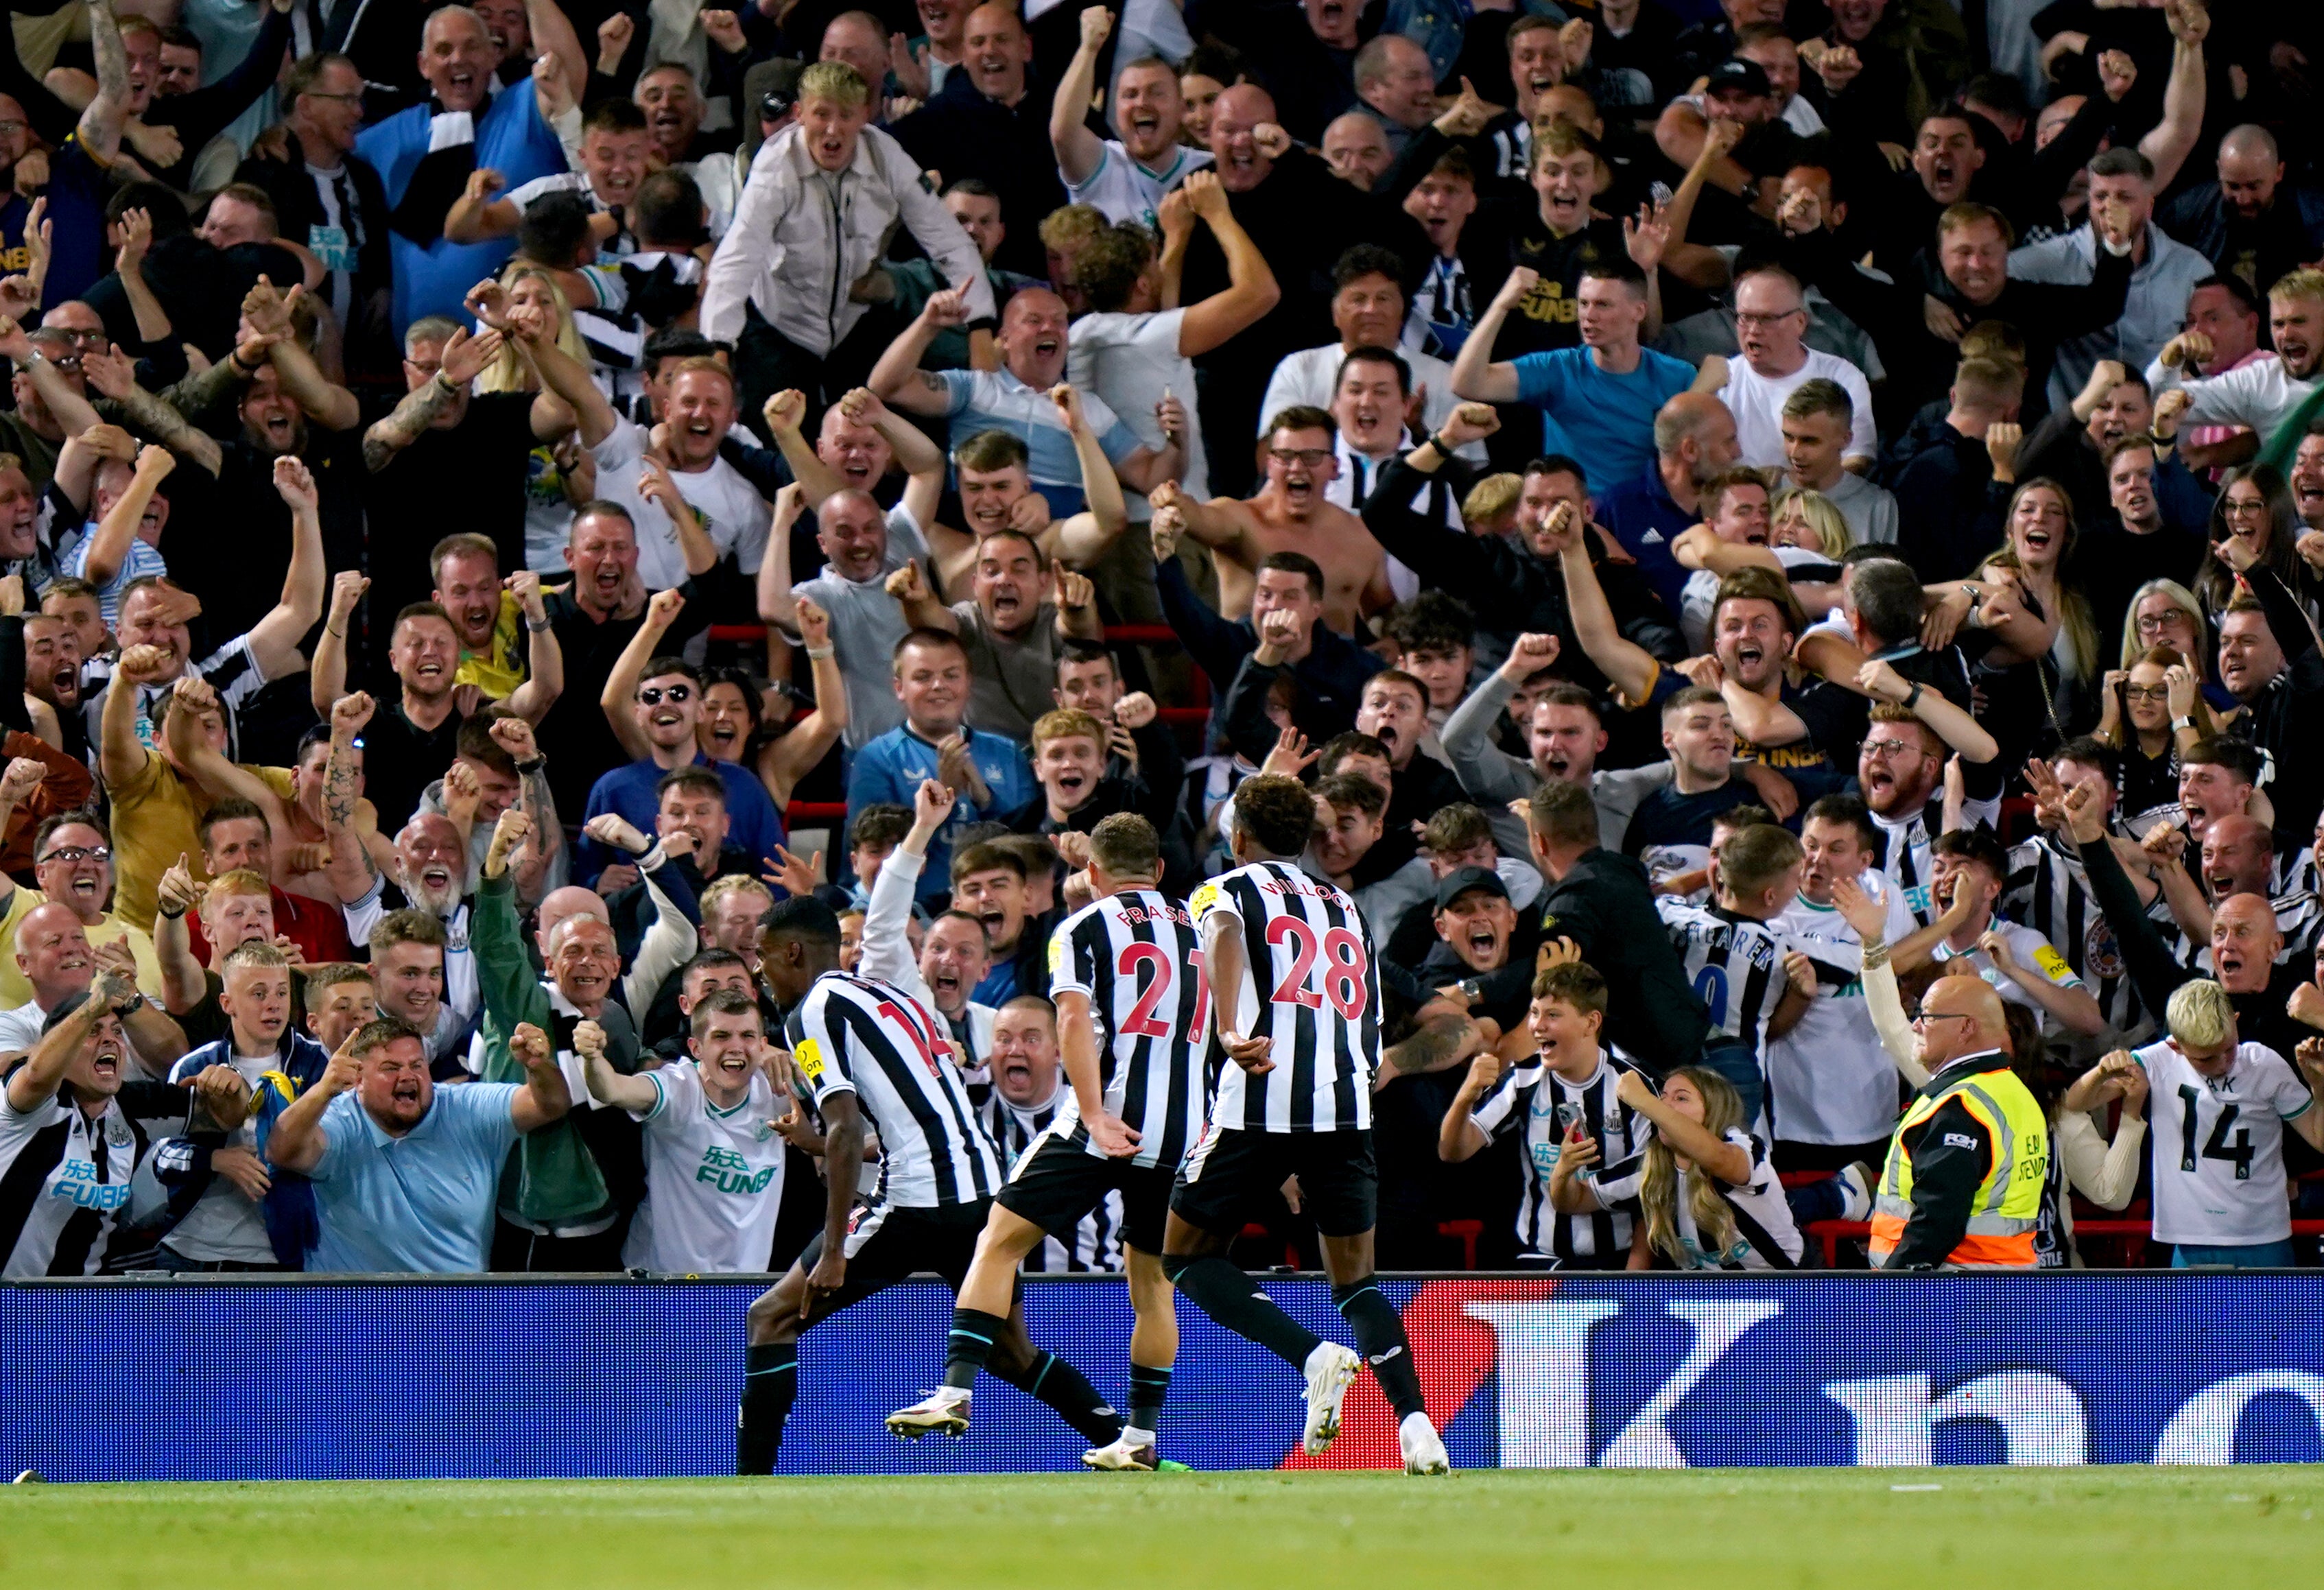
[(1742, 318), (2234, 509), (2155, 622), (1926, 1017), (96, 338), (75, 852), (10, 129), (676, 695), (1312, 456), (1885, 749), (2147, 692)]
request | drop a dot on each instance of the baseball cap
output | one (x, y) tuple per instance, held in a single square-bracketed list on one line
[(1738, 76), (1461, 880)]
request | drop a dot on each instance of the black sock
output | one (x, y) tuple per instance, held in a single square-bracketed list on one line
[(1380, 1334), (770, 1387), (1233, 1299), (1067, 1389), (1147, 1390), (973, 1332)]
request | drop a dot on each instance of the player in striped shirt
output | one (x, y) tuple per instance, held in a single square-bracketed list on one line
[(872, 1053), (1296, 1040), (1735, 962), (1131, 1005), (1583, 1147)]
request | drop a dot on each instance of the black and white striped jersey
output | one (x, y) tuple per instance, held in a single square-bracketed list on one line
[(1905, 849), (1537, 1104), (1094, 1243), (1137, 958), (2049, 892), (1736, 964), (862, 1036), (1766, 1236), (1313, 989), (65, 1179)]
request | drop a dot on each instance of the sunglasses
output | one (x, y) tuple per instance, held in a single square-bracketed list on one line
[(676, 695)]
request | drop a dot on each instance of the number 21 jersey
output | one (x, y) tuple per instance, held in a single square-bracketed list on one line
[(1313, 988), (1136, 957)]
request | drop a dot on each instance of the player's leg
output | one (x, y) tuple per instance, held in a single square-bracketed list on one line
[(1154, 1337), (770, 1367), (980, 1317), (1339, 1185), (779, 1316), (1225, 1170), (1048, 1379)]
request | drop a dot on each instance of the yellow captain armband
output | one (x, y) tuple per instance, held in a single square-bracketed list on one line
[(808, 1056), (2053, 964)]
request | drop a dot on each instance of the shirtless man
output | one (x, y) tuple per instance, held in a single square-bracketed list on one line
[(996, 482), (1289, 514)]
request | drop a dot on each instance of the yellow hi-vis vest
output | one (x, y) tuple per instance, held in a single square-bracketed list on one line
[(2007, 1203)]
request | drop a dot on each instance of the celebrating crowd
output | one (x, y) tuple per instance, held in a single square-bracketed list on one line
[(1785, 541)]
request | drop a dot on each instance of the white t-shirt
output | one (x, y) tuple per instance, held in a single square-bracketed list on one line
[(2218, 1146), (20, 1028), (1130, 360), (1829, 1078), (1123, 191), (2029, 951), (1757, 401), (714, 1179), (734, 514)]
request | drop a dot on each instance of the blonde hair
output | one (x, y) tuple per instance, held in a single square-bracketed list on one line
[(2181, 598), (836, 81), (1068, 723), (1824, 517), (1714, 1221), (507, 373), (1491, 497), (731, 884), (2305, 282), (2199, 1014)]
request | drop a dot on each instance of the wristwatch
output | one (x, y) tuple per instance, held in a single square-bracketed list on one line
[(137, 1002), (1474, 987), (2182, 723)]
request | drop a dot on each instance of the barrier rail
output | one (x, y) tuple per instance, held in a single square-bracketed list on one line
[(257, 1378)]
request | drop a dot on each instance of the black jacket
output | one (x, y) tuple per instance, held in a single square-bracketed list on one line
[(1606, 906), (1951, 1153), (961, 133)]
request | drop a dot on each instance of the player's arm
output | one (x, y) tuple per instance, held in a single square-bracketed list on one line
[(637, 1095), (1078, 1040), (843, 1163), (1229, 968)]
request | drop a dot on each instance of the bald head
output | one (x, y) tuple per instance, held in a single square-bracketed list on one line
[(572, 900), (2251, 165), (2238, 855), (1237, 117), (1695, 431), (2244, 940), (1959, 1016)]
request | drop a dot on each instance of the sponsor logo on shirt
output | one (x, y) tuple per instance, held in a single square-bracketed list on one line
[(729, 1172)]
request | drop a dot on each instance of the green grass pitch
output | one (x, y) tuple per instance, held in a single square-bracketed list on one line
[(2052, 1529)]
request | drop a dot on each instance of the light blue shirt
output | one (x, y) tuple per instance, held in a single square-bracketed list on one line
[(995, 400), (2155, 313), (142, 559), (1595, 415), (421, 1204), (890, 768)]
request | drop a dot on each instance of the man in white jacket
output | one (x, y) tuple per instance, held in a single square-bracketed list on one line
[(823, 197)]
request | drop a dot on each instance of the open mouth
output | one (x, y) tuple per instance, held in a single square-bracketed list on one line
[(945, 983), (1006, 603), (278, 427), (2038, 540), (1539, 81), (1388, 735), (1070, 784), (1484, 943), (830, 146), (993, 920), (436, 877), (2228, 962), (664, 718), (724, 734), (1565, 207), (85, 890), (1748, 655), (407, 1091), (700, 429), (1558, 765), (107, 1064), (734, 1064)]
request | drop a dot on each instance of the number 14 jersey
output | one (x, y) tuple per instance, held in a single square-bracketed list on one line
[(1136, 956), (1313, 989)]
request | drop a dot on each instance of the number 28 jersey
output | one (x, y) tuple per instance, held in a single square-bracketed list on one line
[(1136, 957), (1313, 989)]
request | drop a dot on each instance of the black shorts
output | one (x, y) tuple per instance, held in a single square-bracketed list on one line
[(1229, 1170), (1060, 1181), (886, 1245)]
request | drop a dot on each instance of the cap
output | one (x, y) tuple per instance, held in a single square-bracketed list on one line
[(1461, 880), (1738, 76)]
